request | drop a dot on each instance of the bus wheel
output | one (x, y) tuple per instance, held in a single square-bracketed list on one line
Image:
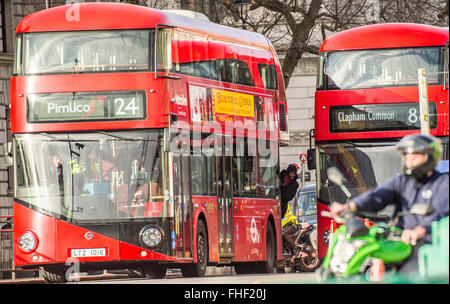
[(268, 266), (54, 275), (198, 269)]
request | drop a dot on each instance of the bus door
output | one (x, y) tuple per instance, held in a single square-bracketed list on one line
[(224, 152), (182, 204)]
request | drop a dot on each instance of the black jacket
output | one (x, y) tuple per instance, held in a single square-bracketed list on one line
[(405, 192), (287, 192)]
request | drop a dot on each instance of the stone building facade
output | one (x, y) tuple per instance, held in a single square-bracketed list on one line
[(300, 93), (300, 101)]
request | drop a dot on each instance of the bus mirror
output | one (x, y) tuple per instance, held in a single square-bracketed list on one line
[(163, 50), (446, 72), (311, 159), (8, 160)]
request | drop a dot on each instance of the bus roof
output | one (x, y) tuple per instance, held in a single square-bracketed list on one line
[(111, 16), (386, 35)]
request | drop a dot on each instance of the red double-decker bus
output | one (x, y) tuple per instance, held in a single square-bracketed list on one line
[(367, 98), (144, 140)]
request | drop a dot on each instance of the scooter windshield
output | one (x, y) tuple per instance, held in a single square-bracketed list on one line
[(364, 166)]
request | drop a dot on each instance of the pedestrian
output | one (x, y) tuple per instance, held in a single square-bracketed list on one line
[(288, 186), (420, 182)]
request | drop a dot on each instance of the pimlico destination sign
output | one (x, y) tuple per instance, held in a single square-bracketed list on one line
[(85, 106)]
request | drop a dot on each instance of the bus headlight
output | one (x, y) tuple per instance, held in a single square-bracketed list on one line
[(28, 241), (151, 236)]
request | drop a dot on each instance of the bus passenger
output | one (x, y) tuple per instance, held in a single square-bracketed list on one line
[(288, 186), (419, 183)]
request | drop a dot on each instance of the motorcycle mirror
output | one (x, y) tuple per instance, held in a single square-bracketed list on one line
[(422, 209), (336, 177)]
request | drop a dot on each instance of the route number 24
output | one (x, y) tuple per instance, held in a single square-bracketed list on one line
[(124, 107)]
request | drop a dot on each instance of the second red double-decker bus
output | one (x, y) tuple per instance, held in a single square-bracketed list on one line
[(367, 98), (144, 140)]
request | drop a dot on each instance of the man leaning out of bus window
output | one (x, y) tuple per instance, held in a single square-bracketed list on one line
[(420, 182), (288, 186)]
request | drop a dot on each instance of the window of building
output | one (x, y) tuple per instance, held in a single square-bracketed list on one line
[(2, 27)]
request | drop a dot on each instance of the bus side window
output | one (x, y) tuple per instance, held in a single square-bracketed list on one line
[(268, 75), (223, 70), (250, 168), (211, 175), (245, 76), (237, 167), (214, 71), (237, 176), (268, 182), (198, 175)]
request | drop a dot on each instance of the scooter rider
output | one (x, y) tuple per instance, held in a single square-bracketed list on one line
[(419, 183)]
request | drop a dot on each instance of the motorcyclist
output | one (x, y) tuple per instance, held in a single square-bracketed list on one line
[(288, 186), (420, 182)]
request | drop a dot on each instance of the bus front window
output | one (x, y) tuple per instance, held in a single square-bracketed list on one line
[(380, 68), (93, 176), (87, 52), (364, 166)]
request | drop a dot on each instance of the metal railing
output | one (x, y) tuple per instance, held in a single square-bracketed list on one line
[(6, 246)]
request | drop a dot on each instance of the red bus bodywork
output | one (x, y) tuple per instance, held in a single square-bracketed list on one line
[(57, 237), (376, 37)]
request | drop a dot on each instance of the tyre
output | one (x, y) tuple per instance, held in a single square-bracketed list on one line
[(309, 263), (268, 266), (198, 269), (54, 275)]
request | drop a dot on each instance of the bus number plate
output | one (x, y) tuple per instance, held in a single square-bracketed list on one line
[(88, 252)]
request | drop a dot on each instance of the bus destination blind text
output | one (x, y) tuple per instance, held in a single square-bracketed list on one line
[(379, 117)]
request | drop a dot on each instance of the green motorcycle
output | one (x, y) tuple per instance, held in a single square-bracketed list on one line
[(353, 246)]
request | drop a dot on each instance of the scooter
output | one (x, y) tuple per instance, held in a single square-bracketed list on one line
[(299, 245), (355, 249)]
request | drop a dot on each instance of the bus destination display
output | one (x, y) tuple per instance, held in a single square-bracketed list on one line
[(379, 117), (85, 106)]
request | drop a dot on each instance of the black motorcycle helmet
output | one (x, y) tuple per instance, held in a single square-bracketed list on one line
[(428, 145)]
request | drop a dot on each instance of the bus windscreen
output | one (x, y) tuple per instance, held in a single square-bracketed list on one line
[(380, 68), (86, 52)]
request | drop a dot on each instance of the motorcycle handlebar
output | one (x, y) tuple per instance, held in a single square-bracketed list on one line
[(337, 218)]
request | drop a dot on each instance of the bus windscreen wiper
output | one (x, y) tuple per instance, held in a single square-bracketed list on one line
[(369, 145)]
